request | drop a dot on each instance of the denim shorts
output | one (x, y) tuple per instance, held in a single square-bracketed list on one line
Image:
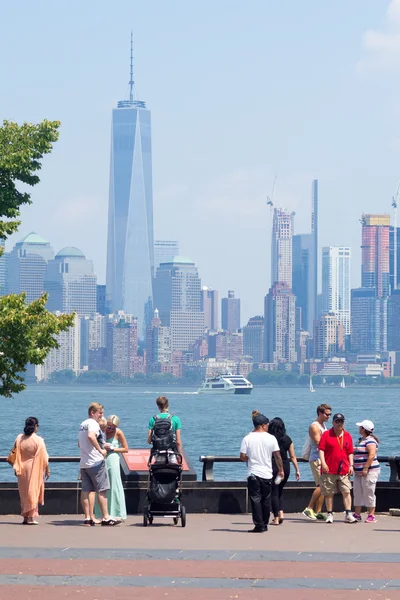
[(95, 479)]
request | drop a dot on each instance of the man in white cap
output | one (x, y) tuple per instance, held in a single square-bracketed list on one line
[(336, 454), (366, 471)]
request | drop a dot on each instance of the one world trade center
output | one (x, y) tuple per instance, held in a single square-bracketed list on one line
[(130, 244)]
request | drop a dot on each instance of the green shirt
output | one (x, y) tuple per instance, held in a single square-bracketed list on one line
[(176, 422)]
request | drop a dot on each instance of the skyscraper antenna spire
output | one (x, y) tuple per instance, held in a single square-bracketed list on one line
[(131, 82)]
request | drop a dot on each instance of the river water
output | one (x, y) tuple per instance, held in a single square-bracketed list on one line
[(210, 424)]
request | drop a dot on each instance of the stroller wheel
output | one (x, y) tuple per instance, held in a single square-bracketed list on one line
[(183, 516), (145, 519), (176, 520)]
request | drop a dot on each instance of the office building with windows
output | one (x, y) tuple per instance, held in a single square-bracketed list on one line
[(27, 265), (177, 297), (394, 257), (164, 251), (336, 290), (71, 283), (375, 253), (130, 246), (280, 325), (368, 321), (3, 269), (230, 312), (209, 305), (253, 339), (393, 310), (67, 357), (305, 268), (281, 251), (328, 337)]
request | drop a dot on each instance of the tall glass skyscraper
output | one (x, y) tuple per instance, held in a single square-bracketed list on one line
[(336, 283), (375, 254), (130, 248)]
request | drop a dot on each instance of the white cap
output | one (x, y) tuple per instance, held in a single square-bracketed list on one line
[(367, 425)]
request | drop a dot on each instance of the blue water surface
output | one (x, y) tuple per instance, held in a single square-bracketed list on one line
[(210, 424)]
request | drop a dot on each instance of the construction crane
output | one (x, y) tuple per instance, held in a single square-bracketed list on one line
[(394, 206), (270, 199)]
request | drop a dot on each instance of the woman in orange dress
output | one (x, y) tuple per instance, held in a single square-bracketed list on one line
[(31, 465)]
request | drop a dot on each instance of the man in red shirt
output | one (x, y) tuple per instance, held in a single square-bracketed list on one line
[(336, 454)]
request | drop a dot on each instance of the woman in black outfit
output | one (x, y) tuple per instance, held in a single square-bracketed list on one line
[(277, 428)]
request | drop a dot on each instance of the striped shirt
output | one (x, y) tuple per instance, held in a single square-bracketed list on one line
[(361, 454)]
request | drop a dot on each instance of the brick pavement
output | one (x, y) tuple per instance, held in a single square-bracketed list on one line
[(213, 557)]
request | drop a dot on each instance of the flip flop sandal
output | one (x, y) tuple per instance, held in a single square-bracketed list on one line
[(110, 523), (32, 522), (281, 520)]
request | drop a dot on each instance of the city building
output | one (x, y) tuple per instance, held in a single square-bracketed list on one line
[(130, 245), (394, 259), (375, 253), (302, 341), (253, 339), (27, 265), (281, 251), (305, 267), (280, 325), (303, 280), (124, 347), (101, 306), (328, 336), (209, 305), (67, 356), (158, 344), (393, 321), (230, 312), (71, 283), (3, 269), (336, 283), (164, 251), (177, 297), (368, 321), (225, 345)]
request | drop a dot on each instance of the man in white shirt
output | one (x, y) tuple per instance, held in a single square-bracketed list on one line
[(256, 450), (93, 467)]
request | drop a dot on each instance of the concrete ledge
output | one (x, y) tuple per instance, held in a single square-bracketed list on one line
[(223, 497)]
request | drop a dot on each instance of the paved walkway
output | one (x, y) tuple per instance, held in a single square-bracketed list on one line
[(213, 557)]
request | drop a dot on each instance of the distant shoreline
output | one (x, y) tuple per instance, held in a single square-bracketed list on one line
[(196, 386)]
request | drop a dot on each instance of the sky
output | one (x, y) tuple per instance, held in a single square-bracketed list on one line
[(240, 93)]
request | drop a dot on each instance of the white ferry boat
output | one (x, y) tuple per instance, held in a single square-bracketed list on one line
[(226, 384)]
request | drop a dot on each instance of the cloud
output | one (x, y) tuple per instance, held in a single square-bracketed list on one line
[(382, 46)]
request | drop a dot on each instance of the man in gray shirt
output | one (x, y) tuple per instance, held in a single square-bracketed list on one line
[(316, 429)]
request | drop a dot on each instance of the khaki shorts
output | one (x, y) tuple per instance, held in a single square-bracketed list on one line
[(315, 466), (330, 484)]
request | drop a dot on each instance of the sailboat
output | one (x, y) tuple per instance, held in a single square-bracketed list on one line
[(311, 385), (342, 383)]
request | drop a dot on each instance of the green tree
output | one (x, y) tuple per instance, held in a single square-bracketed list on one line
[(27, 332), (65, 376), (22, 148)]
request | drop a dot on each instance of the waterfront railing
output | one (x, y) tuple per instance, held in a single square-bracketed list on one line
[(208, 461), (393, 462)]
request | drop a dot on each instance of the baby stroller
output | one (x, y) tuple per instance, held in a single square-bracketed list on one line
[(164, 488)]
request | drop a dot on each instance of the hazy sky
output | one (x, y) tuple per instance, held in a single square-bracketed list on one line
[(239, 91)]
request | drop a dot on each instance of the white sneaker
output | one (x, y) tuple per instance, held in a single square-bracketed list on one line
[(329, 518), (349, 518)]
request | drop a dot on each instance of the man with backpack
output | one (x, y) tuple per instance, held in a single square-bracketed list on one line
[(164, 431)]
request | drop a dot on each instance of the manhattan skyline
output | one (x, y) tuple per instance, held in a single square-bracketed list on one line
[(319, 105)]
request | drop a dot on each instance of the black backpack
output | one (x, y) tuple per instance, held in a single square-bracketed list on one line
[(163, 435)]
